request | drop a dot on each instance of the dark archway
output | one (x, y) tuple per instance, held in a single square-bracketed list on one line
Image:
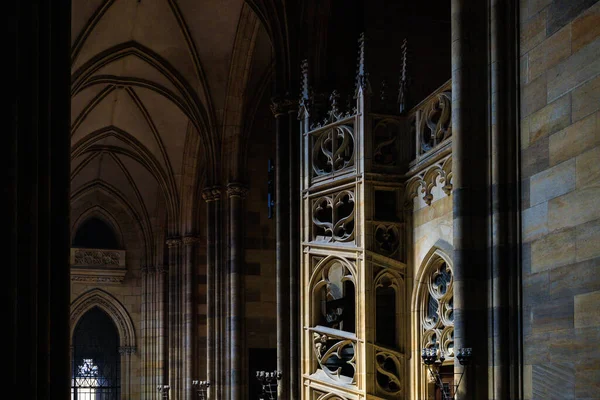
[(96, 362), (94, 233)]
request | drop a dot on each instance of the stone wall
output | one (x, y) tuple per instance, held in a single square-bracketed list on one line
[(560, 176)]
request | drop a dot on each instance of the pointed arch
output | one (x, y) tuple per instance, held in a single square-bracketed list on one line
[(112, 307), (102, 214), (436, 257)]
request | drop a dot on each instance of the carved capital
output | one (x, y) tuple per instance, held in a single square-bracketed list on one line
[(190, 240), (236, 190), (283, 105), (212, 193), (173, 242)]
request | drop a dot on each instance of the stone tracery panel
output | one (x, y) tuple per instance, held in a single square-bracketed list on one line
[(437, 320), (333, 217), (332, 150), (389, 371)]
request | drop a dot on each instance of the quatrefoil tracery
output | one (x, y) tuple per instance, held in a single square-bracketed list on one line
[(333, 217)]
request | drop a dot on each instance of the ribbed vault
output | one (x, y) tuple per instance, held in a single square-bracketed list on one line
[(160, 90)]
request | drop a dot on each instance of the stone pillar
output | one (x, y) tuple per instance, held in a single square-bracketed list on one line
[(236, 193), (282, 218), (294, 263), (160, 326), (470, 130), (148, 384), (505, 280), (175, 328), (211, 196), (36, 177), (125, 352), (187, 348)]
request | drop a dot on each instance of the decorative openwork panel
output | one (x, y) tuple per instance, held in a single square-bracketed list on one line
[(389, 372), (438, 316), (335, 353), (333, 295), (387, 239), (332, 149), (432, 119), (333, 217)]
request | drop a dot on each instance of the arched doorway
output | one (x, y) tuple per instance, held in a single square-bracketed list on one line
[(96, 362)]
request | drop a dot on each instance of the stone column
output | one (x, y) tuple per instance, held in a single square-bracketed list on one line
[(160, 326), (470, 130), (280, 107), (236, 193), (211, 196), (175, 331), (187, 319), (147, 299), (294, 263), (505, 279), (125, 352), (36, 177)]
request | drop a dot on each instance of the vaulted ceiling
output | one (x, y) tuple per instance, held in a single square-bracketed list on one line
[(160, 89)]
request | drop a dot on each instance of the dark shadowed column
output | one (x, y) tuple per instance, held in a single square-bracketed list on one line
[(282, 217), (211, 196), (190, 243), (505, 277), (470, 127), (294, 267), (36, 149), (236, 193), (174, 318)]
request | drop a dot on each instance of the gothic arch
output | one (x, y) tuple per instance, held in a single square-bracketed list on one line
[(111, 306), (422, 329), (102, 214)]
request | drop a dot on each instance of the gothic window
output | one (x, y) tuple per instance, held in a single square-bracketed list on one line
[(94, 233), (438, 315), (95, 360)]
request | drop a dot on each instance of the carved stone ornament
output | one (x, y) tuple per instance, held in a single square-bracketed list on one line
[(97, 257), (426, 180), (332, 352), (173, 242), (387, 239), (281, 105), (385, 142), (334, 114), (388, 367), (431, 121), (98, 266), (190, 240), (236, 190), (211, 194), (333, 217), (332, 150), (87, 276)]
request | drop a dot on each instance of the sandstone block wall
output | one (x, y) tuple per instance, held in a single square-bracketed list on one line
[(560, 177)]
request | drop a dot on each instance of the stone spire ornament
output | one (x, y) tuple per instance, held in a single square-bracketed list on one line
[(403, 83), (362, 76)]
